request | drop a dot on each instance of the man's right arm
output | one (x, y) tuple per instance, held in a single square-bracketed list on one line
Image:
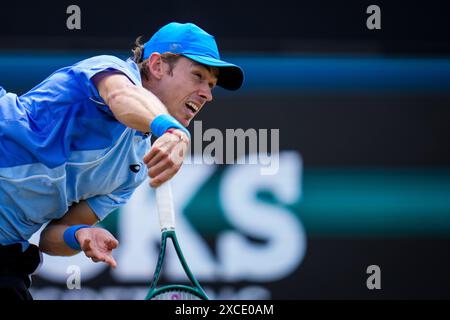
[(136, 108), (132, 105)]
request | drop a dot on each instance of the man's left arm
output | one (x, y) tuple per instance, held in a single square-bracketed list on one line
[(97, 243)]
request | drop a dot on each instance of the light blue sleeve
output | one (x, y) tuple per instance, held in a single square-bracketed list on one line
[(102, 205), (85, 70)]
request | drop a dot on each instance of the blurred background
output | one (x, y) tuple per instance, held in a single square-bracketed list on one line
[(364, 158)]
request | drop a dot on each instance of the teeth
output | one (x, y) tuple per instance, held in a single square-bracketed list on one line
[(192, 105)]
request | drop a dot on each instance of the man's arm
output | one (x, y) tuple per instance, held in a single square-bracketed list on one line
[(97, 243), (136, 108), (132, 105)]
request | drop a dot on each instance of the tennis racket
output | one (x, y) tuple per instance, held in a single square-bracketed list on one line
[(164, 203)]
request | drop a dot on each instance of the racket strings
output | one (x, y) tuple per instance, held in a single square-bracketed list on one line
[(175, 295)]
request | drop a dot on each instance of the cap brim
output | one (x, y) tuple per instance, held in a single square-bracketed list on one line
[(230, 76)]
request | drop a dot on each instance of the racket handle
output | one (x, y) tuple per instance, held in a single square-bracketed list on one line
[(164, 203)]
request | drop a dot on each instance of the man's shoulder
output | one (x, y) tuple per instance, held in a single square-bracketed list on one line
[(99, 63)]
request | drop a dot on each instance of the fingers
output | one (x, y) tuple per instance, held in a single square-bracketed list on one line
[(162, 172), (108, 259), (174, 156), (162, 145), (158, 157), (111, 261), (99, 247), (112, 244), (97, 256), (157, 150), (163, 177), (159, 167), (165, 158)]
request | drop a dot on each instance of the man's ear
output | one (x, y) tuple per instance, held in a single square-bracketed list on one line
[(155, 65)]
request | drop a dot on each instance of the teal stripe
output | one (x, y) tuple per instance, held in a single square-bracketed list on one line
[(347, 74), (369, 201), (348, 202), (291, 74)]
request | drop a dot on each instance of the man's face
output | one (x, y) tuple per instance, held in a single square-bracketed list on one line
[(186, 89)]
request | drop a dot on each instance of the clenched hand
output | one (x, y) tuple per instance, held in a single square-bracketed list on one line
[(166, 156)]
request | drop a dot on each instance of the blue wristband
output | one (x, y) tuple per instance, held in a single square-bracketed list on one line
[(163, 122), (69, 236)]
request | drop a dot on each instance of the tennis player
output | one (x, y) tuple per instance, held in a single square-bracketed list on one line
[(77, 145)]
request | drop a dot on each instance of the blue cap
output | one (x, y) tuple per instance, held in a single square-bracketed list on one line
[(194, 43)]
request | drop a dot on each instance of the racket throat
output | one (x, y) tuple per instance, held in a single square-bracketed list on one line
[(197, 290)]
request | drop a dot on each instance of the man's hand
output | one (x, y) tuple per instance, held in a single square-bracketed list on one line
[(97, 244), (166, 156)]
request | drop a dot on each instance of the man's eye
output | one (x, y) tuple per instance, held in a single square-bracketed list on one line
[(198, 75)]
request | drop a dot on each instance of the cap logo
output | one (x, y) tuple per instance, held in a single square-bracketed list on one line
[(176, 47)]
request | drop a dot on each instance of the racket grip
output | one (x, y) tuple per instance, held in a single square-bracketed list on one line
[(164, 204)]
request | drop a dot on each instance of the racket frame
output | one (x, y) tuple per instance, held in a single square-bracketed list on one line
[(196, 290)]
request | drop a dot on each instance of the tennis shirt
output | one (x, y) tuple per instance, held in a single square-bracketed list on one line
[(59, 144)]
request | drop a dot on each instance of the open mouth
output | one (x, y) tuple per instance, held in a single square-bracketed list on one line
[(191, 106)]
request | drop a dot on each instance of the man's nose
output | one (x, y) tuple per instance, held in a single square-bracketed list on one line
[(205, 92)]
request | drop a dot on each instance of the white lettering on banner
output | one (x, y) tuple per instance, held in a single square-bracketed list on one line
[(238, 258), (286, 241)]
